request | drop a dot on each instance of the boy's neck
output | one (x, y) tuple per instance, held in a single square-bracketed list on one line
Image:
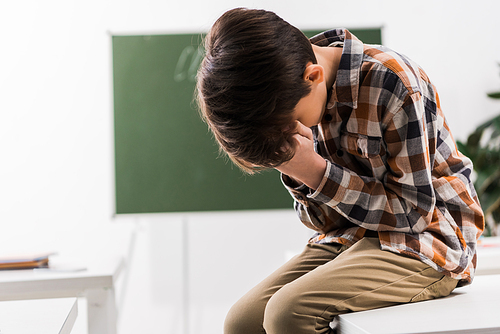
[(329, 58)]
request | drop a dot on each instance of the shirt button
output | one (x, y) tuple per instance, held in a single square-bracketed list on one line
[(328, 117), (339, 153)]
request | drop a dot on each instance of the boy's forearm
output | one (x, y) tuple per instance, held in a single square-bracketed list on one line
[(311, 173), (314, 174)]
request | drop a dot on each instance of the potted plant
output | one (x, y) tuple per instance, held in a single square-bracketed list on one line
[(483, 148)]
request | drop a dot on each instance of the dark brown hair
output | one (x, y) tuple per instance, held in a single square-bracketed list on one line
[(249, 83)]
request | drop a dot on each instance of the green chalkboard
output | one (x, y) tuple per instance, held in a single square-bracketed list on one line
[(165, 158)]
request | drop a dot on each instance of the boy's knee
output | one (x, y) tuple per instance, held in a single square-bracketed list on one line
[(236, 321), (283, 313), (244, 317)]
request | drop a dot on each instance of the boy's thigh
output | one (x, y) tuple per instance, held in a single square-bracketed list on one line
[(247, 314), (372, 278), (361, 278)]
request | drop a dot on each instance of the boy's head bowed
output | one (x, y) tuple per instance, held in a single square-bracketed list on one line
[(249, 84)]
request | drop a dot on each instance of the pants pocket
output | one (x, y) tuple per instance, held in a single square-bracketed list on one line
[(440, 288)]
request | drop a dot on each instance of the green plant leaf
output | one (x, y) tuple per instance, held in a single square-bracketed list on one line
[(490, 201), (463, 149), (485, 177), (487, 124), (495, 95), (496, 123), (473, 139)]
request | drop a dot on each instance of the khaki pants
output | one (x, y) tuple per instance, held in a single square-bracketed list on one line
[(306, 293)]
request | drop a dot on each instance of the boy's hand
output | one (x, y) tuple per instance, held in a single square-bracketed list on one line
[(306, 166)]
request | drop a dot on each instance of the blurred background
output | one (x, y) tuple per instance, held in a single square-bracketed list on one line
[(57, 150)]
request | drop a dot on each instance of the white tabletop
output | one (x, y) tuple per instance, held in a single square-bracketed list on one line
[(488, 256), (48, 316), (471, 309), (89, 269), (48, 283), (96, 261)]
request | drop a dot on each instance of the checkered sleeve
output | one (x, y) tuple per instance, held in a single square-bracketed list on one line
[(313, 214)]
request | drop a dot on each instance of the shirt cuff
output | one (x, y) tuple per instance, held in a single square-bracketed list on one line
[(299, 193), (332, 189)]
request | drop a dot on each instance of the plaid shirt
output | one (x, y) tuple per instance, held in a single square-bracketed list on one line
[(392, 164)]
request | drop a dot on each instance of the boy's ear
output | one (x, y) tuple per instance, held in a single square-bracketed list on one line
[(314, 73)]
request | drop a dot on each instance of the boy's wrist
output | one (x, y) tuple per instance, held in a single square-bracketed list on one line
[(311, 175), (314, 176)]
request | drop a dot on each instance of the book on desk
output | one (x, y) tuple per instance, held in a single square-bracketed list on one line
[(25, 261)]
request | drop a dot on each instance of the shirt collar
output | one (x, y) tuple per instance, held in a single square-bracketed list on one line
[(346, 86)]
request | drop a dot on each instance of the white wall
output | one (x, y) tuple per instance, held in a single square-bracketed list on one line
[(56, 170)]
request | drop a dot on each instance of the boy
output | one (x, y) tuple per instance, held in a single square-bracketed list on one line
[(357, 132)]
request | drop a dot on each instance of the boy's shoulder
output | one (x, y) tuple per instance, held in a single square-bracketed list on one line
[(408, 71), (386, 67)]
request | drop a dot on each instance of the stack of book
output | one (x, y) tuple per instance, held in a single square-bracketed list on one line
[(24, 261)]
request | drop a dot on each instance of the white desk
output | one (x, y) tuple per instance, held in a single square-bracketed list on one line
[(48, 316), (471, 309), (96, 284), (488, 256), (104, 260)]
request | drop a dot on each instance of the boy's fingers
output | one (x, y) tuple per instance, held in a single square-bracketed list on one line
[(304, 131), (295, 141), (285, 147)]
